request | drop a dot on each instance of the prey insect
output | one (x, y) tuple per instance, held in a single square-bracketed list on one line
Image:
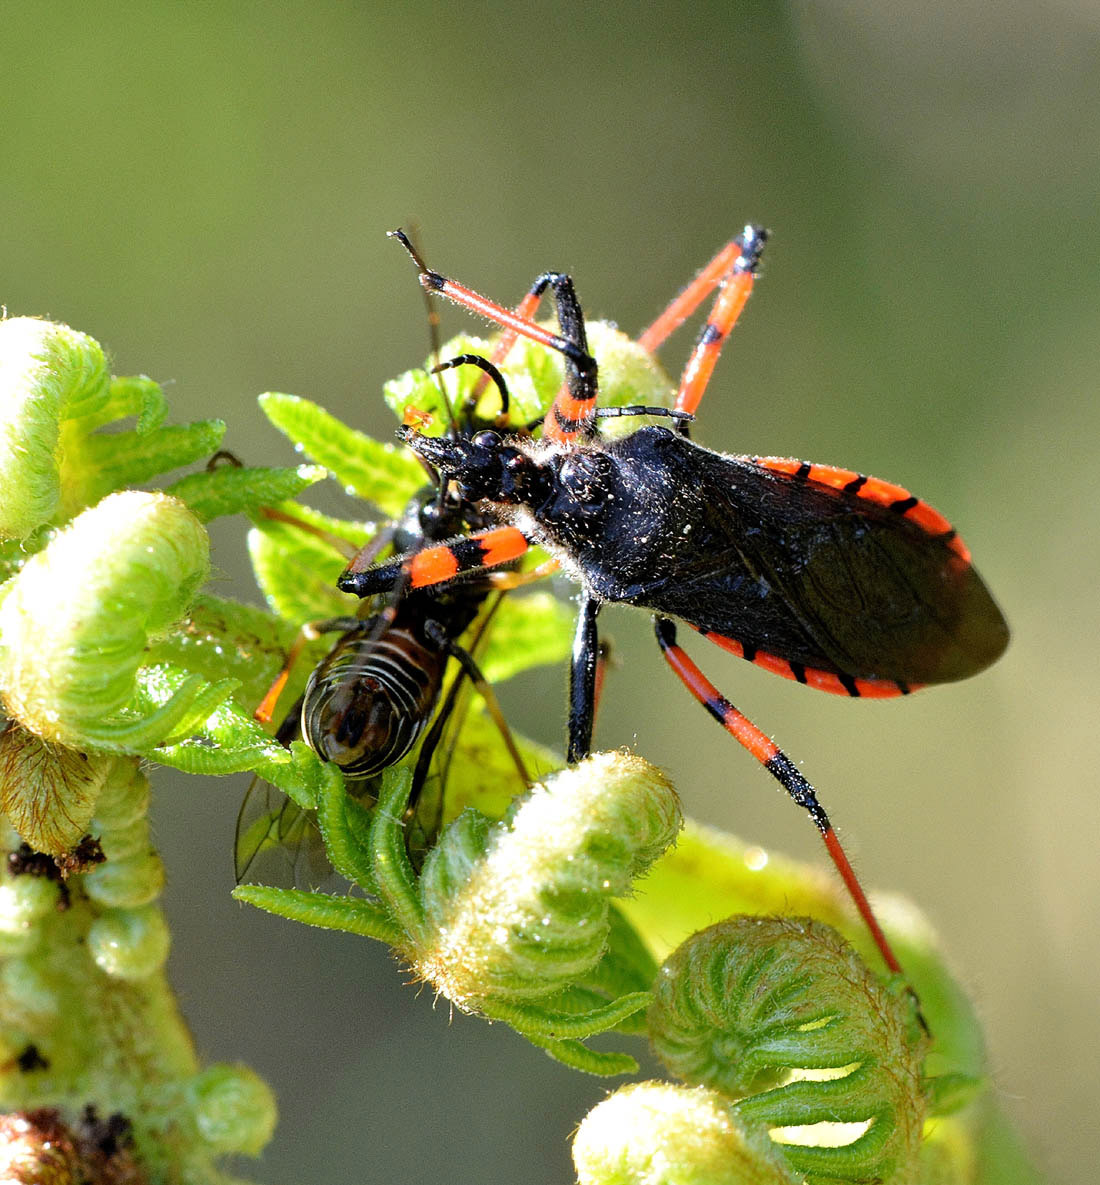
[(379, 688), (820, 574)]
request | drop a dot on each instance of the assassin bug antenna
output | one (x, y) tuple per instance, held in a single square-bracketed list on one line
[(483, 364), (431, 313), (822, 575)]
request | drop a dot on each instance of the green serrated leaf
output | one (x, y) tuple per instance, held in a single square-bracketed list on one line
[(384, 474), (96, 465), (227, 742), (167, 703), (577, 1056), (297, 572), (134, 395), (318, 909), (230, 489), (541, 1020)]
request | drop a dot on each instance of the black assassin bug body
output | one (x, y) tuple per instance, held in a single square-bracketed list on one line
[(838, 580)]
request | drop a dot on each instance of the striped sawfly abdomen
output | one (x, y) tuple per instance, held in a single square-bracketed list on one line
[(370, 698)]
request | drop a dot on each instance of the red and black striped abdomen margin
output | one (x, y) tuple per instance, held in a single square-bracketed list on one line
[(830, 681), (892, 497)]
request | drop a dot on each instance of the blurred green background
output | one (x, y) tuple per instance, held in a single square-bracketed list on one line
[(205, 187)]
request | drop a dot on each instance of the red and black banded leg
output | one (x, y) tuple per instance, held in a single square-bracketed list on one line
[(723, 316), (436, 565), (603, 661), (682, 306), (573, 412), (525, 311), (583, 678), (779, 765)]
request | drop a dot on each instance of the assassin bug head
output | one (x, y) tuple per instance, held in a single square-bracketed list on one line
[(484, 467)]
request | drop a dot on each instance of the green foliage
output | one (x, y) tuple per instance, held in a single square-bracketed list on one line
[(84, 988), (297, 570), (653, 1132), (378, 473), (505, 918), (521, 909), (233, 489), (758, 1008)]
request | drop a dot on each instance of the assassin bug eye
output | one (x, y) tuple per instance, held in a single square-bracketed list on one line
[(486, 439)]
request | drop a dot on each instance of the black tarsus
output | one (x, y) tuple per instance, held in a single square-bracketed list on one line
[(667, 413)]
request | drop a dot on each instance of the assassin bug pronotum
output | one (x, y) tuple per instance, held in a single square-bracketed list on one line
[(372, 696), (838, 580)]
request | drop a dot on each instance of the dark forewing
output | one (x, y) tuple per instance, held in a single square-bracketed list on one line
[(816, 575)]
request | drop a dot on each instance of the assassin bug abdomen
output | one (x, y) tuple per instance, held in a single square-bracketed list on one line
[(838, 580)]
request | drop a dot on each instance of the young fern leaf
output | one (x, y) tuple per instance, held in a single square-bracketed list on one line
[(379, 473), (507, 917), (47, 372), (68, 664), (652, 1132), (83, 989), (783, 1016), (233, 489)]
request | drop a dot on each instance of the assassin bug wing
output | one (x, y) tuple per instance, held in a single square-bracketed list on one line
[(820, 576)]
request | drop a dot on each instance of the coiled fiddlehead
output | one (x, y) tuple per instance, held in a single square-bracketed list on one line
[(68, 662), (511, 920), (781, 1015), (653, 1133), (521, 909)]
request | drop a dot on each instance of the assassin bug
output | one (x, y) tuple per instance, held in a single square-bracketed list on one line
[(373, 695), (822, 575)]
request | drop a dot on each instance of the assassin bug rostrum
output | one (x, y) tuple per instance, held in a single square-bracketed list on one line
[(375, 693), (826, 576)]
